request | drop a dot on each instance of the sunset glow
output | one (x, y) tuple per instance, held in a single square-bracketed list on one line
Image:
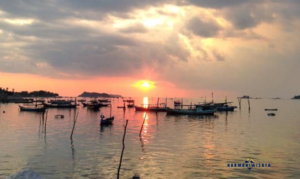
[(145, 85), (151, 48)]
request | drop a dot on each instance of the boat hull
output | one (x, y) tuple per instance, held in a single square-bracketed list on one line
[(152, 109), (187, 112), (61, 105), (107, 121), (32, 109)]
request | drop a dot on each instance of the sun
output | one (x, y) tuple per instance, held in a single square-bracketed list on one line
[(144, 84)]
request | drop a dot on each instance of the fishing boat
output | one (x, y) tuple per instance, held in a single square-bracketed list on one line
[(153, 108), (191, 111), (89, 103), (130, 103), (61, 104), (49, 105), (226, 106), (33, 108), (107, 121), (158, 107), (271, 109), (104, 100)]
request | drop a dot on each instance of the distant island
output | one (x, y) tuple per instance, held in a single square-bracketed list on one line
[(296, 97), (245, 97), (4, 92), (98, 95), (41, 93)]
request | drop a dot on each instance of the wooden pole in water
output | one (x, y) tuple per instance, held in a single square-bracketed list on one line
[(123, 142), (249, 104), (239, 100), (142, 126), (74, 123)]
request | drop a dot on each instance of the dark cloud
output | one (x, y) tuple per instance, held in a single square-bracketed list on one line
[(203, 28), (51, 46), (220, 3), (218, 56)]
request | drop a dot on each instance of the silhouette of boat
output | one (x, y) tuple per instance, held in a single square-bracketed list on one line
[(152, 107), (107, 121), (130, 103), (61, 104), (191, 111), (218, 106), (33, 108)]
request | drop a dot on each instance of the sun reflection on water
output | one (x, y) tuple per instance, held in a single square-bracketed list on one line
[(145, 102)]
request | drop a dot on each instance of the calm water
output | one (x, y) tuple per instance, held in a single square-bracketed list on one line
[(171, 146)]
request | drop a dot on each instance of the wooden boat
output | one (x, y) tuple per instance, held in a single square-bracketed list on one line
[(62, 105), (107, 121), (151, 108), (33, 108), (271, 109), (158, 107), (60, 101), (191, 111), (104, 100), (130, 103), (226, 106), (59, 116)]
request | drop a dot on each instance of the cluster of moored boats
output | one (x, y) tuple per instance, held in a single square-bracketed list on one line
[(179, 108), (191, 109)]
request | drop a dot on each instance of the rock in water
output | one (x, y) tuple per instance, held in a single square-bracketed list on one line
[(25, 174)]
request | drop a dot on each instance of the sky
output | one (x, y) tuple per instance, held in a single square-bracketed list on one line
[(184, 48)]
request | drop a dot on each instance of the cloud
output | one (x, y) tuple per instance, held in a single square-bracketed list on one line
[(203, 28), (135, 28), (220, 3), (188, 40)]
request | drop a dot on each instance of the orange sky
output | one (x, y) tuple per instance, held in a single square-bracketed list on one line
[(124, 86)]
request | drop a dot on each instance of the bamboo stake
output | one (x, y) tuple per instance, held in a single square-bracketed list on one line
[(249, 104), (142, 126), (74, 123), (123, 142)]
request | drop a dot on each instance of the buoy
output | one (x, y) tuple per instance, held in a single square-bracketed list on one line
[(59, 116), (3, 111)]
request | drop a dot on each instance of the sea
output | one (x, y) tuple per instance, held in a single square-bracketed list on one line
[(170, 147)]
